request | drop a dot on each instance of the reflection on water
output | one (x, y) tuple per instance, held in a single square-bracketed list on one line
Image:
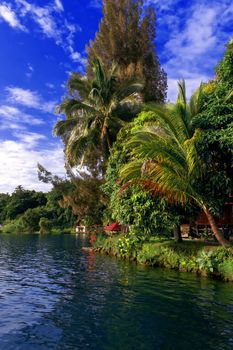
[(54, 296)]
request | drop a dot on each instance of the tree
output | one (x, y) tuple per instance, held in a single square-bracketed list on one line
[(216, 142), (80, 192), (94, 114), (135, 206), (165, 157), (21, 200), (127, 36), (216, 121), (31, 218), (4, 199), (45, 225)]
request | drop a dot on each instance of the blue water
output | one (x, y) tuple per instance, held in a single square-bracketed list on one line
[(54, 296)]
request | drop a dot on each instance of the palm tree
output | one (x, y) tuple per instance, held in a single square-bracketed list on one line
[(165, 158), (95, 112)]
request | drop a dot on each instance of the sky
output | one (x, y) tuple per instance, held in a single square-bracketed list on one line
[(42, 42)]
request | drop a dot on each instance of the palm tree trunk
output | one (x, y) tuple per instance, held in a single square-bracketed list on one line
[(220, 238), (108, 142), (105, 133)]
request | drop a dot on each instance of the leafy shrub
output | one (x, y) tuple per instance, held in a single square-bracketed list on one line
[(129, 245), (100, 239), (45, 225), (206, 262), (226, 269), (13, 226)]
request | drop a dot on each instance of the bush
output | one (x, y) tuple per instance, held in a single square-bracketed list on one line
[(45, 225), (13, 226), (226, 270), (188, 256), (129, 245)]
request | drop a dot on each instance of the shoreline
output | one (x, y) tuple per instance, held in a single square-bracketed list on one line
[(203, 259)]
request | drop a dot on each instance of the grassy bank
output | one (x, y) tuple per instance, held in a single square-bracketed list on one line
[(190, 256)]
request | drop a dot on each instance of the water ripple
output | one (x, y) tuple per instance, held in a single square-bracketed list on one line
[(54, 296)]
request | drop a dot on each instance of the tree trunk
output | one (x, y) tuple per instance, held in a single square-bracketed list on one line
[(177, 233), (220, 238), (105, 133)]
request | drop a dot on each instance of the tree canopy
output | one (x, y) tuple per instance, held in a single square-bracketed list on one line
[(127, 37)]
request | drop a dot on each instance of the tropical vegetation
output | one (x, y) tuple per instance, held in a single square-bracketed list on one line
[(133, 158)]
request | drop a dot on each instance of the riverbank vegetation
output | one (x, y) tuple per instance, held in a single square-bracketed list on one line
[(26, 211), (134, 158), (203, 258)]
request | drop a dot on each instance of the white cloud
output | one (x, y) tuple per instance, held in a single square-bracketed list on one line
[(13, 118), (8, 15), (50, 86), (53, 24), (19, 164), (77, 56), (30, 70), (43, 17), (96, 4), (160, 5), (191, 85), (195, 41), (59, 5), (29, 99), (29, 139), (50, 20)]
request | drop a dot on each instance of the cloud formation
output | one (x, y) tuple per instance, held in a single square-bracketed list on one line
[(30, 99), (49, 19), (192, 39), (19, 163), (9, 16), (15, 119)]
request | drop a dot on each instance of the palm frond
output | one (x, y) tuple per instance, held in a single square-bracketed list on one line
[(195, 102), (181, 99), (78, 84), (64, 126), (164, 156)]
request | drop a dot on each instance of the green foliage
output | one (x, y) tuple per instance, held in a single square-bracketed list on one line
[(30, 206), (45, 225), (159, 251), (127, 36), (4, 199), (134, 206), (12, 226), (21, 200), (212, 260), (216, 142), (100, 239), (91, 110), (164, 156), (129, 245), (207, 262), (226, 269), (31, 218)]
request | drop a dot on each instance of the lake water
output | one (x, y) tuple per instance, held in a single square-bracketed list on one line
[(54, 296)]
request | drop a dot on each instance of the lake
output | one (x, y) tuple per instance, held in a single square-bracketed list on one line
[(54, 296)]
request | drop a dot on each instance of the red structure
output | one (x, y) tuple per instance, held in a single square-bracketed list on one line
[(201, 224), (115, 227)]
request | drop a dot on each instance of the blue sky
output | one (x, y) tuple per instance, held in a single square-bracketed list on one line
[(43, 41)]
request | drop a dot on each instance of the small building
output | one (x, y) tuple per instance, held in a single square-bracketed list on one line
[(80, 229), (201, 224)]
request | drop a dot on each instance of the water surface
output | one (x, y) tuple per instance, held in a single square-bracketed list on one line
[(54, 296)]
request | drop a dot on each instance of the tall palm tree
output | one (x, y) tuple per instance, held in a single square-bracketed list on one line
[(94, 112), (165, 158)]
